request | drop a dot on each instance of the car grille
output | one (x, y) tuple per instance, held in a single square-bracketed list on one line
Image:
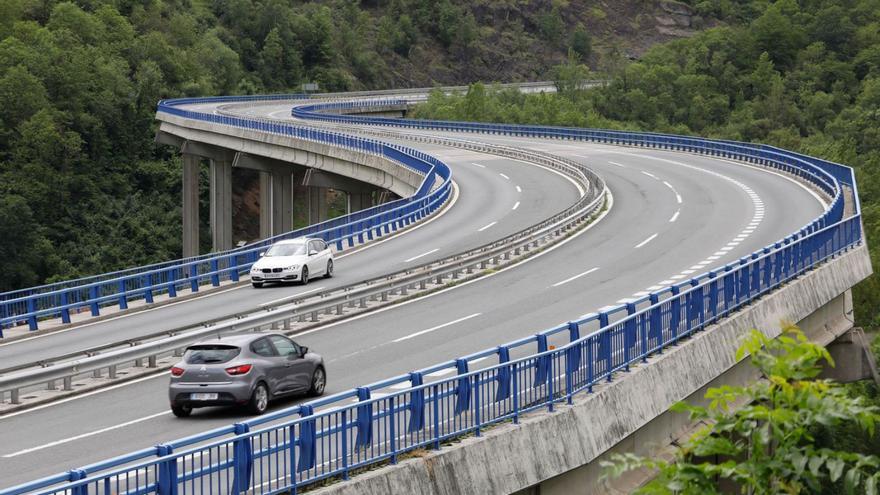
[(270, 270)]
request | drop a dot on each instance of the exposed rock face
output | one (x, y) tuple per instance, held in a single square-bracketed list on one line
[(676, 19)]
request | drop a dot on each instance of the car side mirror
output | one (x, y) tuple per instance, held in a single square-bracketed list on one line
[(303, 350), (313, 252)]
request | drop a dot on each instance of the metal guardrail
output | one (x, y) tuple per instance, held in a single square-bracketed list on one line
[(298, 446), (119, 288), (105, 360)]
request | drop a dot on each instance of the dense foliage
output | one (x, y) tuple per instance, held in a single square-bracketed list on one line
[(83, 188), (761, 438), (801, 75)]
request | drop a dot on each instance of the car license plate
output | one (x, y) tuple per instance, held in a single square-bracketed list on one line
[(203, 396), (272, 275)]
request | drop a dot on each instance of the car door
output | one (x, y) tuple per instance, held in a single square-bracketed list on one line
[(324, 249), (299, 371), (275, 365), (316, 266)]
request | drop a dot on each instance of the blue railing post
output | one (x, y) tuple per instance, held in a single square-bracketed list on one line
[(605, 352), (65, 311), (167, 471), (416, 403), (76, 475), (148, 288), (502, 377), (463, 387), (123, 296), (93, 300), (215, 275), (307, 440), (243, 460), (656, 323), (364, 419), (629, 333), (675, 312), (572, 359)]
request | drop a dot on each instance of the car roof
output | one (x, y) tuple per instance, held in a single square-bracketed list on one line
[(241, 340), (298, 240)]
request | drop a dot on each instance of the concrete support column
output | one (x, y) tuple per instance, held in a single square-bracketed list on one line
[(317, 204), (221, 204), (265, 205), (190, 194), (359, 201), (282, 201)]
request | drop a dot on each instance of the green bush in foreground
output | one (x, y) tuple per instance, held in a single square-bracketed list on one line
[(768, 445)]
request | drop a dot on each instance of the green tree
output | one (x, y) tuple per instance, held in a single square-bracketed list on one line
[(767, 446), (581, 42), (570, 76)]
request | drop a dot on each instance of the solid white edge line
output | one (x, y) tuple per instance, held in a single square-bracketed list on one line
[(579, 275), (649, 239), (438, 327)]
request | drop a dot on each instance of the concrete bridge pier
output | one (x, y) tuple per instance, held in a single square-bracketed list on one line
[(190, 194), (318, 206), (221, 205)]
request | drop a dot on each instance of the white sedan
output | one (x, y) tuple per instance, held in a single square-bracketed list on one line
[(293, 260)]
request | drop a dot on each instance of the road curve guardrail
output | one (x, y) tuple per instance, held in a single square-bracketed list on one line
[(29, 306), (299, 446)]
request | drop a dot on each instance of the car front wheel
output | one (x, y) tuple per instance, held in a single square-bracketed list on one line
[(329, 272), (259, 399), (305, 275)]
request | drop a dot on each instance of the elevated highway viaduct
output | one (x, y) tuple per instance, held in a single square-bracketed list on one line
[(671, 215)]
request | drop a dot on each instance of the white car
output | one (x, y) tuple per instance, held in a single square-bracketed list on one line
[(295, 260)]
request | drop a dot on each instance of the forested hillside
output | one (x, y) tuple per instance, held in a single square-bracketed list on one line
[(84, 190)]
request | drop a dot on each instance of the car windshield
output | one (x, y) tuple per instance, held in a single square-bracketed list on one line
[(286, 249), (210, 354)]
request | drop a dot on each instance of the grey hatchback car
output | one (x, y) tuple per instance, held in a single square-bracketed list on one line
[(246, 370)]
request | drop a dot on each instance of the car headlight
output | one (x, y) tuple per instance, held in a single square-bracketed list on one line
[(292, 267)]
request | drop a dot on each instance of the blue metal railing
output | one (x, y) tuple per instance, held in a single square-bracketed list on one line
[(29, 306), (330, 437)]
